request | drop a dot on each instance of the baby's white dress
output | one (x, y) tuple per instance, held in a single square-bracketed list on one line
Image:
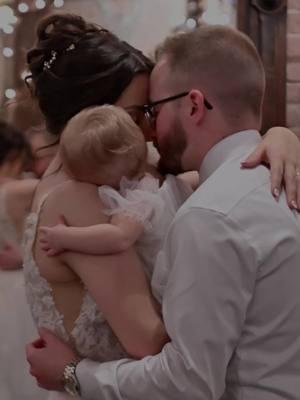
[(153, 205)]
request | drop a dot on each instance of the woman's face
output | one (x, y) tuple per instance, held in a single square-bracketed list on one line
[(41, 156), (135, 96)]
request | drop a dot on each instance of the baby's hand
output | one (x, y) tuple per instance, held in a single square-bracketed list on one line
[(52, 239)]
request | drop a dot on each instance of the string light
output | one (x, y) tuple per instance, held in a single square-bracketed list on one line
[(8, 29), (40, 4), (23, 7), (58, 3), (8, 52), (7, 19), (10, 94), (191, 23)]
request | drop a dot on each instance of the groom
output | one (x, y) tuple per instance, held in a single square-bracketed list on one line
[(229, 271)]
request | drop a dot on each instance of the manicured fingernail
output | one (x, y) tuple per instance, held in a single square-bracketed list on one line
[(276, 193), (243, 164), (294, 205)]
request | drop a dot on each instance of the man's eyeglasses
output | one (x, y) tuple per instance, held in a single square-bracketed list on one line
[(150, 112)]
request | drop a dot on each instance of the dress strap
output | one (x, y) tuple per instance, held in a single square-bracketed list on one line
[(45, 196), (42, 201)]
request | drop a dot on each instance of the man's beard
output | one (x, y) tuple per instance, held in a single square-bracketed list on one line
[(171, 151)]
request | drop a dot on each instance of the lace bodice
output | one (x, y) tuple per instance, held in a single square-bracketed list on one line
[(91, 336)]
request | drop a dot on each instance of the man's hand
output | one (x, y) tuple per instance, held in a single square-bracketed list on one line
[(11, 257), (51, 239), (281, 150), (48, 357)]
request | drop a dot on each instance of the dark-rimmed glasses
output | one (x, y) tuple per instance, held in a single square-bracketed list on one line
[(151, 113)]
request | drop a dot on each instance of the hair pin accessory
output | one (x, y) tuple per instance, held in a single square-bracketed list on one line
[(48, 64)]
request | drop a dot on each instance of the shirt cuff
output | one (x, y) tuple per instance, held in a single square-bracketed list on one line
[(98, 380)]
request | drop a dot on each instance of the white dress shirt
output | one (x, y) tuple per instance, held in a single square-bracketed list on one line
[(229, 279)]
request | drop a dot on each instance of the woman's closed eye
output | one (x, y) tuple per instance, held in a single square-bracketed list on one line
[(137, 116)]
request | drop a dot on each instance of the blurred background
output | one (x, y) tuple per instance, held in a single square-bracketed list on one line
[(274, 25)]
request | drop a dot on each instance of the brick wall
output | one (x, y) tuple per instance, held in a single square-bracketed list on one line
[(293, 66)]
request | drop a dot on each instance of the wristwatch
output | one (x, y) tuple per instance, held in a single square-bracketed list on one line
[(70, 381)]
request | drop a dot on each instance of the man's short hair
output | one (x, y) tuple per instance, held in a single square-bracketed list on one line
[(220, 61)]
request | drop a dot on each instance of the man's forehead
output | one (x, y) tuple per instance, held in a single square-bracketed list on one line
[(158, 78)]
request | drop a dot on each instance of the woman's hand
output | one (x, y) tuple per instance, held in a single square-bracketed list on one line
[(280, 149)]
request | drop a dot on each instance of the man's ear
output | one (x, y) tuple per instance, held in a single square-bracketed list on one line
[(195, 104)]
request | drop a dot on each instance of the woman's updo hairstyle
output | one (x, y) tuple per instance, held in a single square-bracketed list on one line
[(76, 64)]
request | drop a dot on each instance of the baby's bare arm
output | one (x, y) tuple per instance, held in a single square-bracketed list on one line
[(117, 236)]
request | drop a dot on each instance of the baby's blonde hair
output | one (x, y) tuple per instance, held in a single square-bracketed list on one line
[(101, 144)]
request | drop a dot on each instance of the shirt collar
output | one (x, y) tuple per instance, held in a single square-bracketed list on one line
[(230, 147)]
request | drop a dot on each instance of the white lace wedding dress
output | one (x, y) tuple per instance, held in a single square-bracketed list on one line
[(92, 336), (16, 325)]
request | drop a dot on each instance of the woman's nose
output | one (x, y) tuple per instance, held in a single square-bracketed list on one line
[(153, 135)]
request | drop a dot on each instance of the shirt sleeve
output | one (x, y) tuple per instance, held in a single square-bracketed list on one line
[(212, 270)]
